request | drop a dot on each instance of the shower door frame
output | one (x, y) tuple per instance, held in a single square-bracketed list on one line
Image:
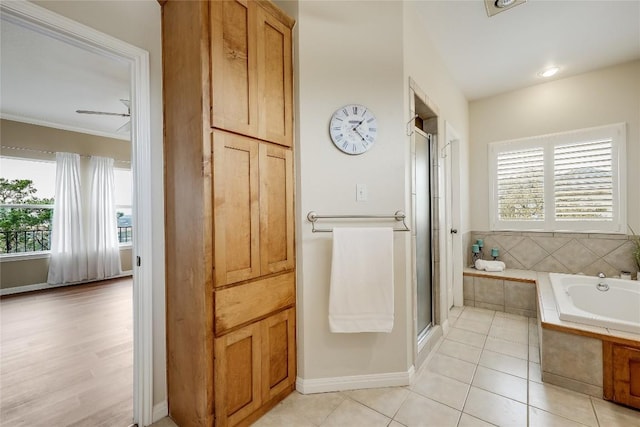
[(421, 106), (421, 333)]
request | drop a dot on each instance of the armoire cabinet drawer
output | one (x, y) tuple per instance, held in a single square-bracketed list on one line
[(243, 303)]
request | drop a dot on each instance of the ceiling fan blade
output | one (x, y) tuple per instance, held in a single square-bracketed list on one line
[(102, 113)]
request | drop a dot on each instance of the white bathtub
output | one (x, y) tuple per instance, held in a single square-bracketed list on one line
[(579, 300)]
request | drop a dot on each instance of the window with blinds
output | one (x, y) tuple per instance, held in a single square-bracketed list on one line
[(583, 181), (573, 181), (520, 179)]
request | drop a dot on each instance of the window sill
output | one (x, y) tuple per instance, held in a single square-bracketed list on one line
[(24, 256)]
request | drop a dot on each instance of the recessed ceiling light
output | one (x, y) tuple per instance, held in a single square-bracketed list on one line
[(503, 3), (496, 6), (549, 72)]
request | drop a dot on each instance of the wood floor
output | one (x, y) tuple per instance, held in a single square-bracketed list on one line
[(66, 356)]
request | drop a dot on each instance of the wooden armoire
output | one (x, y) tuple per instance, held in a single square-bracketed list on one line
[(229, 212)]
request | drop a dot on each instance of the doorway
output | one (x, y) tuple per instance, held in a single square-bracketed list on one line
[(450, 155), (46, 22)]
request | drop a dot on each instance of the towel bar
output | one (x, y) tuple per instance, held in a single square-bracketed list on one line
[(313, 217)]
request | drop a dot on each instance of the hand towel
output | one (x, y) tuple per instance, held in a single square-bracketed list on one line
[(490, 265), (361, 290)]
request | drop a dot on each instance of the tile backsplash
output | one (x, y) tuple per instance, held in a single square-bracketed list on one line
[(560, 252)]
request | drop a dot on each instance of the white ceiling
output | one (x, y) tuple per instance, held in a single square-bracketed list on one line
[(44, 81), (487, 56)]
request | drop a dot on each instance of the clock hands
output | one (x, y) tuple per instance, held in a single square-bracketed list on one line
[(358, 132), (355, 128)]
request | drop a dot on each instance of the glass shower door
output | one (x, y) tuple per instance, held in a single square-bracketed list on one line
[(423, 232)]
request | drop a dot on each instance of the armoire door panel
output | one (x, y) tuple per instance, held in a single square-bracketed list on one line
[(278, 353), (236, 208), (238, 380), (276, 209), (274, 79), (234, 89)]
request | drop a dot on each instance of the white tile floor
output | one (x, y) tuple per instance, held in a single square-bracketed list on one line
[(485, 372)]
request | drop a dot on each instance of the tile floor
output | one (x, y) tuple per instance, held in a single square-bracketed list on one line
[(485, 372)]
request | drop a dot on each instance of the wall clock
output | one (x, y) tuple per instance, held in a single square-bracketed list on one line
[(353, 129)]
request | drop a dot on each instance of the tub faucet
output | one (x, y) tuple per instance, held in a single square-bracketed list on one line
[(603, 287)]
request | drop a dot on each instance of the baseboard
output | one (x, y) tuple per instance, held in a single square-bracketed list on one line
[(323, 385), (445, 327), (160, 411), (41, 286)]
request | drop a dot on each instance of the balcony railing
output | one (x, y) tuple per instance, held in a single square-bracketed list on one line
[(21, 241), (125, 234)]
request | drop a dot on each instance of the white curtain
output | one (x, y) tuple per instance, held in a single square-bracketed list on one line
[(104, 247), (68, 261)]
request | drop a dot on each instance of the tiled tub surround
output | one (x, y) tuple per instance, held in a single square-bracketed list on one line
[(570, 253), (511, 291), (572, 354)]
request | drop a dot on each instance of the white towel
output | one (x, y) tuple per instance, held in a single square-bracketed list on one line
[(361, 292), (490, 265)]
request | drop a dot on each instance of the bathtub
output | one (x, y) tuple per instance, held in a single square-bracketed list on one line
[(579, 300)]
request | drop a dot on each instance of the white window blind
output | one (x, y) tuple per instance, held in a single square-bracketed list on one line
[(583, 181), (571, 181), (520, 180)]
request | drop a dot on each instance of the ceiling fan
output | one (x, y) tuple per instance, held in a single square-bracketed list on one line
[(125, 127)]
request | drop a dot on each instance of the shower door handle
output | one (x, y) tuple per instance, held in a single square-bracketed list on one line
[(454, 231)]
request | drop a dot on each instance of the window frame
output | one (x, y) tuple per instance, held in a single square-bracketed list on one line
[(22, 256), (616, 132), (129, 243)]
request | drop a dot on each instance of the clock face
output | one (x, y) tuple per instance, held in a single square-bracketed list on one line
[(353, 129)]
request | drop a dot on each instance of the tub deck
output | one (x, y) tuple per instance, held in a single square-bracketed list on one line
[(547, 310)]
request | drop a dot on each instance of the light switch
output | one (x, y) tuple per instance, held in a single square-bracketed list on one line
[(361, 192)]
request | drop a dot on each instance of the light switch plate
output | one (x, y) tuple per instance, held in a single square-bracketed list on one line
[(361, 192)]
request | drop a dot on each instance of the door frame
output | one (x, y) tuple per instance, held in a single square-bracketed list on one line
[(68, 31), (450, 151)]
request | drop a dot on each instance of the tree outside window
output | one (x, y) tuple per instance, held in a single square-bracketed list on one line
[(25, 219)]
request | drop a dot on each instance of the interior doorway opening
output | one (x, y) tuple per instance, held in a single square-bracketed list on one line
[(58, 27)]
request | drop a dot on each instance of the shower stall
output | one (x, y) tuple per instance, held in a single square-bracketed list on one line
[(424, 259)]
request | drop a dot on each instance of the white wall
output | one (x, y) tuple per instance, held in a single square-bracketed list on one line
[(605, 96), (348, 54), (138, 23), (356, 54)]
